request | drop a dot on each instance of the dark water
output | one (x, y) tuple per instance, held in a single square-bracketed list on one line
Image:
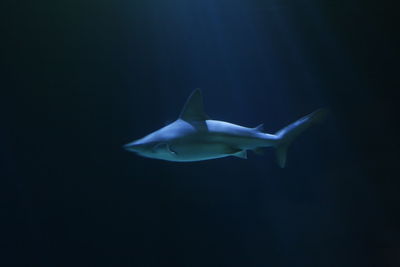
[(90, 76)]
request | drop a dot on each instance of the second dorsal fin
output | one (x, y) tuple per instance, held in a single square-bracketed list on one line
[(193, 109), (259, 128)]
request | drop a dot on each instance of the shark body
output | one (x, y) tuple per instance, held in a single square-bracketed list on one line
[(195, 137)]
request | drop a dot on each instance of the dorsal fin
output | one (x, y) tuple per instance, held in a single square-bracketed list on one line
[(259, 128), (193, 109)]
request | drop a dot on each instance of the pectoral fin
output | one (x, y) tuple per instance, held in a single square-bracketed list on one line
[(236, 152)]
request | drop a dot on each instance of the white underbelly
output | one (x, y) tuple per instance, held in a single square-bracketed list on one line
[(212, 146), (201, 151)]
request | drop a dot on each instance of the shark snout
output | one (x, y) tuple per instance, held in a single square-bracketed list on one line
[(133, 147), (127, 147)]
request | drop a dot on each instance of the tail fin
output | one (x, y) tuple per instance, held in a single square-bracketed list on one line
[(290, 132)]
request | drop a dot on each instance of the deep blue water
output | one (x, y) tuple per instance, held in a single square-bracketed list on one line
[(90, 76)]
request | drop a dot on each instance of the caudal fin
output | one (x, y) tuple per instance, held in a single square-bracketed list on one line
[(290, 132)]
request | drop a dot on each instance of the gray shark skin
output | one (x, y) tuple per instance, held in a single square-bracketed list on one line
[(195, 137)]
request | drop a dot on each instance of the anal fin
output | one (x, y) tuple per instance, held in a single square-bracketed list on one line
[(241, 154)]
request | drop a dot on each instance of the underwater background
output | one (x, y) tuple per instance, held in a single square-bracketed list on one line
[(86, 77)]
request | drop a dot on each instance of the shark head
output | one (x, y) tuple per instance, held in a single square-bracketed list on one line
[(154, 145), (160, 144)]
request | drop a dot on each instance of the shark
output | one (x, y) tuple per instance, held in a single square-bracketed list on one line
[(196, 137)]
